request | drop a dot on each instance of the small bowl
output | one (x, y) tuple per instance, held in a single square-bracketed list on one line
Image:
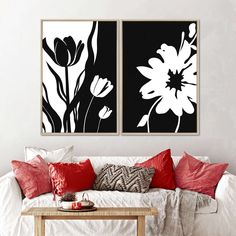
[(67, 205)]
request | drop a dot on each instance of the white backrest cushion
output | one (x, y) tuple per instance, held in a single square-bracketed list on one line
[(99, 161), (60, 155)]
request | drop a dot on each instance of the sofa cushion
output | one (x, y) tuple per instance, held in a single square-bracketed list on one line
[(164, 172), (124, 178), (112, 199), (32, 176), (71, 177), (198, 176), (60, 155)]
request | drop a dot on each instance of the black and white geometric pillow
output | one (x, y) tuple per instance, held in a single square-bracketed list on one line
[(124, 178)]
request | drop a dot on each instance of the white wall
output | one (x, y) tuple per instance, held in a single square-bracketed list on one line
[(20, 77)]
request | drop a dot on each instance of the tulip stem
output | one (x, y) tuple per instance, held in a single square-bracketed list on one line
[(67, 96), (86, 114), (149, 113), (99, 124), (178, 123)]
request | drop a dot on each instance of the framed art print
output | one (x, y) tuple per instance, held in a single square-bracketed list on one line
[(160, 81), (79, 77)]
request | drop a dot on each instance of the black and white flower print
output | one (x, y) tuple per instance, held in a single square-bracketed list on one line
[(172, 80), (76, 54)]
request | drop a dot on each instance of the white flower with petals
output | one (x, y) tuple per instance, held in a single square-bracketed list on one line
[(172, 79), (100, 87), (103, 114)]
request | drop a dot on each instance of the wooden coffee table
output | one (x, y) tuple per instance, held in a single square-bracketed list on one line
[(51, 213)]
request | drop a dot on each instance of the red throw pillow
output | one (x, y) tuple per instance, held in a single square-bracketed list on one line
[(32, 176), (71, 177), (164, 172), (198, 176)]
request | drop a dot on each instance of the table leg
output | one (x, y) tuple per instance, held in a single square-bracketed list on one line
[(141, 226), (39, 226)]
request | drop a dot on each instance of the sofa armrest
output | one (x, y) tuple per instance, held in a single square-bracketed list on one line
[(226, 189), (225, 196), (10, 204)]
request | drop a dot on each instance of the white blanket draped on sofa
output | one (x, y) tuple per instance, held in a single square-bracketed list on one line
[(11, 224)]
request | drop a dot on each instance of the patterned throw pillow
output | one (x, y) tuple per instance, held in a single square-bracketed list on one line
[(124, 178)]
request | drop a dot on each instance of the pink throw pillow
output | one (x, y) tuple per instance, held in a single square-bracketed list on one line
[(198, 176), (32, 176)]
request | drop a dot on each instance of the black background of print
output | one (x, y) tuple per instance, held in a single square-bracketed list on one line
[(140, 42), (105, 67)]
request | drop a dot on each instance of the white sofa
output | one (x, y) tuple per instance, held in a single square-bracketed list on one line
[(12, 223)]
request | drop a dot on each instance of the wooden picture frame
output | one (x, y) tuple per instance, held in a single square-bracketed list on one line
[(160, 77), (79, 77)]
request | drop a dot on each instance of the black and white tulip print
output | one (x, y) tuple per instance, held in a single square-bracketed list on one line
[(160, 77), (79, 77)]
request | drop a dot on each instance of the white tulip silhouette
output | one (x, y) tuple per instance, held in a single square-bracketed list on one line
[(104, 113), (99, 88)]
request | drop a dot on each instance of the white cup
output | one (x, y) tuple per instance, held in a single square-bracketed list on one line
[(67, 205)]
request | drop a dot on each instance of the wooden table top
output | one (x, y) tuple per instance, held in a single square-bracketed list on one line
[(101, 211)]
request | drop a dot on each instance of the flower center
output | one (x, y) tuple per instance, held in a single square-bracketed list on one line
[(175, 81)]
